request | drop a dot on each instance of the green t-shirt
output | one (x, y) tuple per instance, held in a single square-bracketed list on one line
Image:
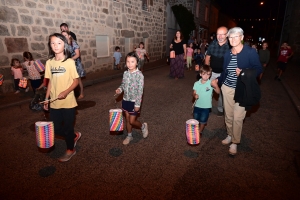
[(204, 92)]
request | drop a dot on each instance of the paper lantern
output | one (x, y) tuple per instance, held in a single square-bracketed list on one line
[(192, 131), (44, 134), (116, 120)]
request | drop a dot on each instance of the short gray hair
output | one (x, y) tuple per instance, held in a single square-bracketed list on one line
[(235, 30)]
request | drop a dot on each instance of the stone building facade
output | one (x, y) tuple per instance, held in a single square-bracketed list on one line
[(99, 25)]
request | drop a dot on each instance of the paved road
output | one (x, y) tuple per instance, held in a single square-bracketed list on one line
[(162, 166)]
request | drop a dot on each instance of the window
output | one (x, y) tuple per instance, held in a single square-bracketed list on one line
[(147, 5), (102, 45), (197, 8)]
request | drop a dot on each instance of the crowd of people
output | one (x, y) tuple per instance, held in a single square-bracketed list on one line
[(226, 66), (230, 67)]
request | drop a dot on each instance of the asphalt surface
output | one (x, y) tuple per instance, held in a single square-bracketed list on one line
[(163, 166)]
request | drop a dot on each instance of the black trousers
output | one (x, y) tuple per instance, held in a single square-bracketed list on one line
[(63, 120)]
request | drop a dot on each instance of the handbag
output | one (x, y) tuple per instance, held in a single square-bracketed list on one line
[(39, 66), (23, 82), (172, 54)]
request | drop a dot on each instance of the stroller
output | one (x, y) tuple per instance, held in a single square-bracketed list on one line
[(38, 97)]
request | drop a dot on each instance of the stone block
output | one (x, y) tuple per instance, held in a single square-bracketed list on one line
[(48, 22), (38, 21), (127, 34), (50, 7), (23, 31), (93, 43), (26, 19), (105, 10), (4, 61), (66, 11), (23, 10), (42, 13), (119, 26), (3, 30), (38, 38), (41, 6), (8, 15), (88, 64), (37, 46), (36, 29), (30, 4), (44, 1), (16, 45), (110, 21), (45, 30), (14, 3)]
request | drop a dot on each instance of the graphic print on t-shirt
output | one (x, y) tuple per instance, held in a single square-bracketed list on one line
[(58, 71)]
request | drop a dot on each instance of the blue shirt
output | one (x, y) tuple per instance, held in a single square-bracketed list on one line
[(204, 91), (117, 55)]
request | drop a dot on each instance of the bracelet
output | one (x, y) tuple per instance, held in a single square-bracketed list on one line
[(46, 99)]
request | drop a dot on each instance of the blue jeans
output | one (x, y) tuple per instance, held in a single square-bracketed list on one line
[(201, 114)]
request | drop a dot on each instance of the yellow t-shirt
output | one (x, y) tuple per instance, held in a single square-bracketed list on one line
[(61, 74)]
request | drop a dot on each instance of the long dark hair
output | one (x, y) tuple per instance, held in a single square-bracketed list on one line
[(181, 35), (69, 34), (66, 46)]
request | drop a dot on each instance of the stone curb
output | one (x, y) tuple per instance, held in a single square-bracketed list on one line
[(85, 84)]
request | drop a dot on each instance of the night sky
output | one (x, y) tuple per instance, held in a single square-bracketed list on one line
[(256, 20), (251, 8)]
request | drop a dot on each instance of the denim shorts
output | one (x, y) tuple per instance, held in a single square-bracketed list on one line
[(201, 114), (128, 106)]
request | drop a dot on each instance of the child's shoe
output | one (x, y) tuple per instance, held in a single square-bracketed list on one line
[(67, 156), (233, 149), (145, 130), (78, 136), (227, 140), (127, 140)]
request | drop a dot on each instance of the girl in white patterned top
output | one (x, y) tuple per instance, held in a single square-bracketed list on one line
[(34, 75), (132, 85)]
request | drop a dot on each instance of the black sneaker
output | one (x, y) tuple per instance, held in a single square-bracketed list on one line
[(220, 114)]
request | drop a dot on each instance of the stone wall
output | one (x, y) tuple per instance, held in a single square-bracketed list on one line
[(293, 30), (26, 25)]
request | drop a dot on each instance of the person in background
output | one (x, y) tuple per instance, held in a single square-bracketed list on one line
[(177, 64), (117, 58), (17, 72), (215, 57), (203, 46), (254, 46), (64, 27), (285, 54), (264, 57), (189, 56), (34, 75), (75, 53), (142, 53)]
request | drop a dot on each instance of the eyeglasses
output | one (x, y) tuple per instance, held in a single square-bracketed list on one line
[(234, 37)]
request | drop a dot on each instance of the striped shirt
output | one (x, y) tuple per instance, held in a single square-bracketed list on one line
[(231, 77)]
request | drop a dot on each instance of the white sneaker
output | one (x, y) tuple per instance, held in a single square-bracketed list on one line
[(27, 89), (232, 149), (227, 140), (145, 130), (127, 140)]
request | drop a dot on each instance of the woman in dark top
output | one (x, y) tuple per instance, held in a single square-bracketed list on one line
[(177, 64)]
